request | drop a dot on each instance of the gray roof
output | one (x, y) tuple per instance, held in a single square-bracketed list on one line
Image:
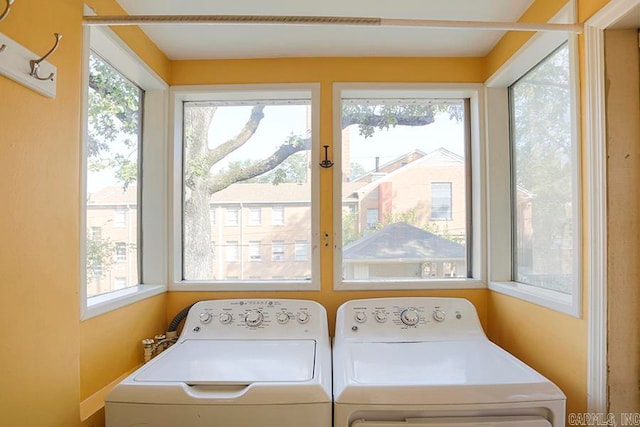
[(403, 241)]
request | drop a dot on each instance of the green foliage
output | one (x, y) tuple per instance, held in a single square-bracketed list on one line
[(100, 254), (113, 122)]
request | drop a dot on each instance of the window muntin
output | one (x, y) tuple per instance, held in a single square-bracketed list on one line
[(384, 165), (543, 168), (113, 164), (268, 166)]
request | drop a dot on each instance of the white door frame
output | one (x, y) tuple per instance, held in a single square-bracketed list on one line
[(596, 200)]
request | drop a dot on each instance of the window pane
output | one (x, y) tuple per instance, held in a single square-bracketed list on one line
[(247, 159), (115, 106), (543, 168), (403, 171)]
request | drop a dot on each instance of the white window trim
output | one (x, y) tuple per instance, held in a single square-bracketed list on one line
[(180, 94), (154, 148), (596, 185), (475, 92), (499, 174)]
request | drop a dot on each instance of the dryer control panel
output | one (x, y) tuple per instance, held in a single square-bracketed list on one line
[(255, 319), (418, 318)]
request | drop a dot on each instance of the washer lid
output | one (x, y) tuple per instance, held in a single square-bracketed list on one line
[(475, 362), (438, 372), (201, 362)]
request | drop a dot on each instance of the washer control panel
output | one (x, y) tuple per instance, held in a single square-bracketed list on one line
[(408, 318), (254, 318)]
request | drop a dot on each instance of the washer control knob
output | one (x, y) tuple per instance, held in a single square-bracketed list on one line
[(381, 316), (409, 317), (205, 317), (282, 317), (225, 318), (254, 318), (439, 315), (360, 316), (303, 317)]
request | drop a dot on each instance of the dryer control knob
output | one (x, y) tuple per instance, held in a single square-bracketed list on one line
[(360, 316), (205, 317), (409, 317), (381, 316), (282, 317), (225, 318), (439, 315), (254, 318), (303, 317)]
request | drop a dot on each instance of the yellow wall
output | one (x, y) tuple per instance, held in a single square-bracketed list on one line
[(326, 71), (553, 343), (51, 361)]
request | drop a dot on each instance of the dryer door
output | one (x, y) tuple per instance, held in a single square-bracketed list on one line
[(506, 421)]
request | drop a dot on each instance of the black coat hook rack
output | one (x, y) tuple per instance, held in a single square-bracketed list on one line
[(326, 163)]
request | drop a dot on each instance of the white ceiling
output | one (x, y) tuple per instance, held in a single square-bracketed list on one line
[(191, 41)]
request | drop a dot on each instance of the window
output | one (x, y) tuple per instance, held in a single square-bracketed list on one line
[(254, 251), (277, 250), (231, 251), (441, 201), (372, 218), (255, 216), (277, 215), (232, 217), (212, 216), (301, 250), (123, 146), (543, 198), (534, 247), (405, 162), (224, 163), (121, 252), (113, 161)]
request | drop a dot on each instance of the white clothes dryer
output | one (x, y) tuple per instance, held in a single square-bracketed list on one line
[(426, 362), (237, 363)]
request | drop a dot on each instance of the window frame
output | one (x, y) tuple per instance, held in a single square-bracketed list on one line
[(180, 94), (152, 216), (475, 179), (499, 181)]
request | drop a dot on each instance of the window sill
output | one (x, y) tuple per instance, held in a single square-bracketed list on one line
[(553, 300), (367, 285), (284, 285), (104, 303)]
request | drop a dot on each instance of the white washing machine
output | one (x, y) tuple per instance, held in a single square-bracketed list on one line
[(237, 363), (412, 362)]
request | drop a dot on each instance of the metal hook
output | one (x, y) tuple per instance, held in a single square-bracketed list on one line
[(35, 63), (6, 10), (326, 163), (2, 16)]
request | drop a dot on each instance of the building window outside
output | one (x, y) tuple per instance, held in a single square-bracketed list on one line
[(385, 197), (232, 217), (441, 201), (255, 216), (121, 251), (544, 163), (280, 131), (277, 215), (212, 216), (254, 250), (372, 218), (232, 251), (212, 247), (277, 250), (120, 283), (301, 250), (112, 157)]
